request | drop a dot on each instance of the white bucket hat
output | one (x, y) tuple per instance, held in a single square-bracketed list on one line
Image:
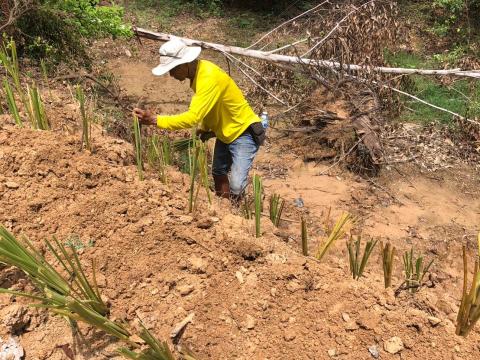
[(173, 53)]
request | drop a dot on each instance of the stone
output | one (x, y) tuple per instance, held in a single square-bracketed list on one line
[(205, 223), (373, 350), (332, 352), (393, 345), (239, 277), (434, 321), (289, 335), (184, 290), (11, 350), (346, 317), (197, 264), (250, 322), (351, 326), (12, 185)]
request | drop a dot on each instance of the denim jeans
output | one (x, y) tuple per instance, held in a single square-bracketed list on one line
[(236, 157)]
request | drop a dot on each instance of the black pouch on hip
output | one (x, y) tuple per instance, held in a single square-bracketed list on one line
[(258, 133)]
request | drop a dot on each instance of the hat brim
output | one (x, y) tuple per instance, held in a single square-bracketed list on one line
[(191, 54)]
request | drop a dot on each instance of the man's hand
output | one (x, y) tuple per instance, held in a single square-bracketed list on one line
[(205, 135), (146, 117)]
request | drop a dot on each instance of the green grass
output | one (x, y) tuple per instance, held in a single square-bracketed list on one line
[(461, 96)]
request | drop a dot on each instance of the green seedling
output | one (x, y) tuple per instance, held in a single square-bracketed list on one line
[(138, 147), (357, 263), (469, 311), (247, 207), (40, 120), (198, 168), (86, 123), (257, 195), (276, 209), (337, 232), (166, 152), (43, 67), (414, 270), (156, 158), (12, 105), (388, 255), (304, 237)]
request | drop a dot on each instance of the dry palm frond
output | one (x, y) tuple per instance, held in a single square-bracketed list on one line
[(357, 264), (388, 254), (337, 232), (469, 311)]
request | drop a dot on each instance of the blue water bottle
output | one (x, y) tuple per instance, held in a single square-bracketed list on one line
[(264, 118)]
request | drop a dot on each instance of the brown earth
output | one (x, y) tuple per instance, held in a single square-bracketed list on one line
[(252, 298)]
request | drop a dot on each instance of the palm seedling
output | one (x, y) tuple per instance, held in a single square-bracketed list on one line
[(388, 254), (138, 147), (40, 120), (304, 237), (469, 311), (86, 124), (414, 270), (12, 105), (166, 152), (337, 232), (198, 167), (75, 299), (276, 209), (9, 60), (357, 263), (257, 195), (156, 158)]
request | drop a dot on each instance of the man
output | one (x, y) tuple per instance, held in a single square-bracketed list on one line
[(217, 106)]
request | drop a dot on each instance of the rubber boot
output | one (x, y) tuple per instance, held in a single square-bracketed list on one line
[(222, 186)]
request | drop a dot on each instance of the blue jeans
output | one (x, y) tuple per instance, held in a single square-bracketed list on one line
[(236, 157)]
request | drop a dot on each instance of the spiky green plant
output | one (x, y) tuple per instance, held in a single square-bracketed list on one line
[(138, 147), (337, 232), (45, 277), (198, 168), (388, 255), (12, 105), (357, 263), (276, 209), (156, 158), (166, 151), (43, 67), (40, 120), (247, 207), (86, 124), (304, 236), (9, 60), (414, 270), (469, 311), (257, 195)]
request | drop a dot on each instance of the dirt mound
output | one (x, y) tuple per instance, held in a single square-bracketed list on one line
[(252, 298)]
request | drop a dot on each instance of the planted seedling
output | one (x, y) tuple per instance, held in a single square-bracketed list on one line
[(469, 311), (12, 105), (388, 255), (414, 270), (357, 263), (40, 120), (257, 195), (304, 237), (276, 209), (156, 158), (337, 232), (86, 124), (138, 147)]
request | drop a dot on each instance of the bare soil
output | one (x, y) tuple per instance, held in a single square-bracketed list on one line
[(252, 298)]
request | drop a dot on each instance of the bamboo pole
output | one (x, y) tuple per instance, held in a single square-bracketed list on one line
[(265, 55)]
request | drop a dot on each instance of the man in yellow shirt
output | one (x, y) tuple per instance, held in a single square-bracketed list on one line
[(217, 106)]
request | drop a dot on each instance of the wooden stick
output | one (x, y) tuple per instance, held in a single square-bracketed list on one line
[(277, 58)]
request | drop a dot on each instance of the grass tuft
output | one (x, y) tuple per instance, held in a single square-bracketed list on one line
[(276, 208), (414, 270), (337, 232), (39, 118)]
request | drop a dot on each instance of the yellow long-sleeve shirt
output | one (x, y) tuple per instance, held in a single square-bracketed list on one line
[(218, 105)]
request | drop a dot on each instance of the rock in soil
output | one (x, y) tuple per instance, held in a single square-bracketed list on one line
[(393, 345), (11, 350), (15, 318)]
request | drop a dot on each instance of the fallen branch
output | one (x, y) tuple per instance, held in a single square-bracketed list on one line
[(264, 55)]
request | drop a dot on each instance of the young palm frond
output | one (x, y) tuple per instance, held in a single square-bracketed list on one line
[(388, 254), (156, 157), (43, 67), (469, 311), (304, 237), (138, 147), (337, 232), (414, 270), (86, 124), (12, 105), (357, 264), (166, 151), (40, 120), (276, 209), (198, 167), (257, 194)]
